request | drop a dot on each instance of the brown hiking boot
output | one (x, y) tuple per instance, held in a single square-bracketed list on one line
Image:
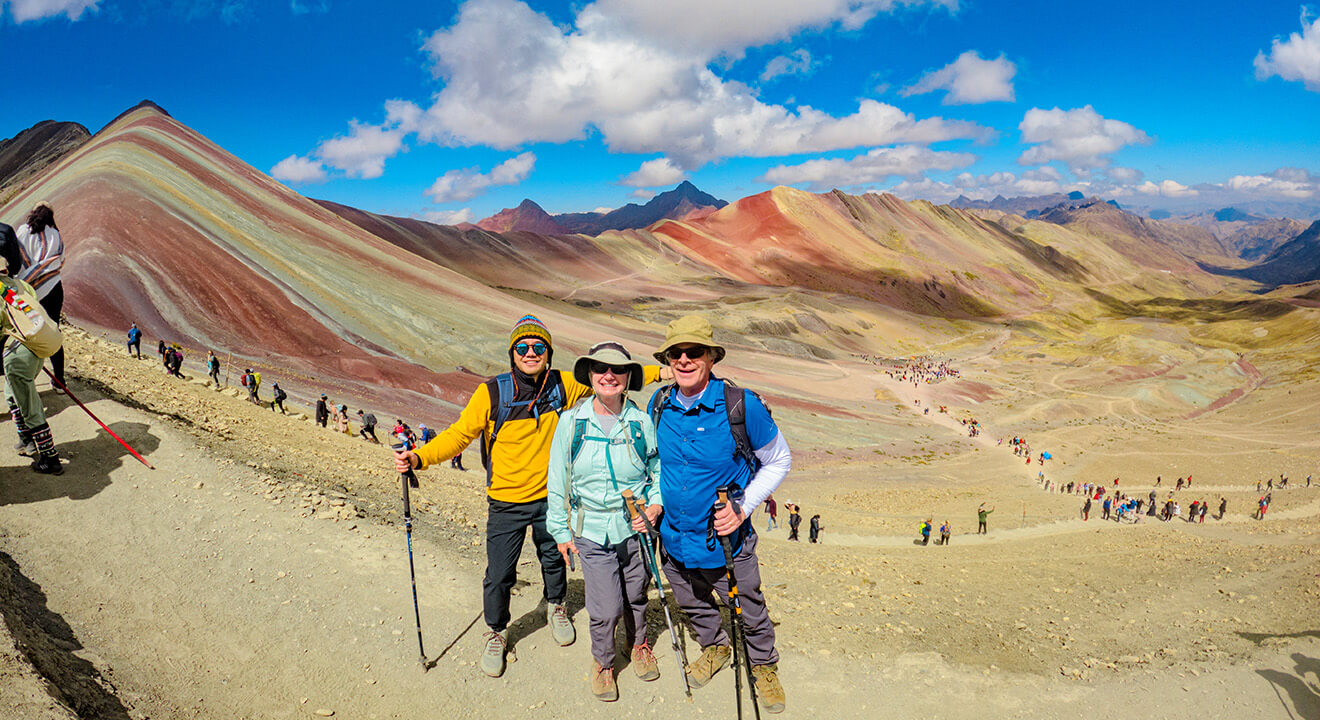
[(602, 683), (712, 660), (644, 664), (769, 691)]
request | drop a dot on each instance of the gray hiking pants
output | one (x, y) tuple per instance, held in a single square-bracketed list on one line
[(615, 577), (695, 590)]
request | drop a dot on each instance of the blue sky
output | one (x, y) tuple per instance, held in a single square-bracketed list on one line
[(452, 111)]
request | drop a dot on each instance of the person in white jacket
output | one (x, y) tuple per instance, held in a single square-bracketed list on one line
[(43, 258)]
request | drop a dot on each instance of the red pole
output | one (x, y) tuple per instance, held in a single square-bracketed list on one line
[(69, 392)]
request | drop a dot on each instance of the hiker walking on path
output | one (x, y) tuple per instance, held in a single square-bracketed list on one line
[(771, 513), (696, 415), (813, 530), (29, 337), (368, 431), (341, 419), (794, 521), (322, 412), (252, 381), (944, 533), (213, 367), (43, 258), (1223, 508), (924, 529), (279, 398), (516, 415), (981, 512), (1086, 509), (603, 446), (134, 341)]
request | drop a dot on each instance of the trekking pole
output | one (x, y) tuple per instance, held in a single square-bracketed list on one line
[(738, 625), (229, 360), (654, 568), (90, 414), (409, 479)]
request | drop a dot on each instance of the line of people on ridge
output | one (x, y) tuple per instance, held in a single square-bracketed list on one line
[(560, 449)]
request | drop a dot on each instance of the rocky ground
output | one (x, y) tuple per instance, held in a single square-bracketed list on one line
[(260, 571)]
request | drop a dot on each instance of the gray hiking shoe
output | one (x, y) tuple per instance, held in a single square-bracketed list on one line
[(492, 657), (713, 659), (556, 615), (26, 449)]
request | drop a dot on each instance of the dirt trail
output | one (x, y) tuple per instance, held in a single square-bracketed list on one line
[(210, 589)]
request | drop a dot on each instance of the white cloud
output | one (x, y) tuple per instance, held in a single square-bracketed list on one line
[(449, 217), (1285, 183), (303, 7), (970, 79), (1079, 138), (711, 29), (463, 185), (797, 63), (298, 170), (362, 153), (1124, 175), (512, 77), (639, 193), (1297, 58), (1037, 181), (1166, 188), (654, 173), (878, 165), (27, 10)]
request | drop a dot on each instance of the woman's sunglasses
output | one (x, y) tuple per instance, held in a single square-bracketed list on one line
[(537, 348), (695, 352), (601, 368)]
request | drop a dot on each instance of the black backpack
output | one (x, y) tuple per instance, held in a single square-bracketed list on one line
[(502, 389)]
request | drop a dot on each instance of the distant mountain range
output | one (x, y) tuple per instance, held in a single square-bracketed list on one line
[(1028, 206), (683, 202)]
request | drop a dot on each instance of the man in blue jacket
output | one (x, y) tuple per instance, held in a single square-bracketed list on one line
[(698, 452), (135, 341)]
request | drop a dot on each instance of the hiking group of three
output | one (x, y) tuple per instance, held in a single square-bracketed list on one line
[(563, 447)]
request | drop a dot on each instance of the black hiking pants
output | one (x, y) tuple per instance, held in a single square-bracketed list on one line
[(53, 303), (506, 529)]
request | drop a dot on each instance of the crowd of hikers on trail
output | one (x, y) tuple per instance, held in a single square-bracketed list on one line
[(922, 370), (633, 495)]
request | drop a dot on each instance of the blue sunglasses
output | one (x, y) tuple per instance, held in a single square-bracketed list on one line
[(537, 348)]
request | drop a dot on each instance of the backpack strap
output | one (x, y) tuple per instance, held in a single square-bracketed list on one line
[(502, 390), (735, 406)]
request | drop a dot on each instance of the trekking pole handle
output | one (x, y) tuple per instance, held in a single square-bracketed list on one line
[(631, 502), (722, 493), (408, 475)]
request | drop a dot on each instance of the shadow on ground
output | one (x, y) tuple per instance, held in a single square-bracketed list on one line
[(48, 642), (87, 468)]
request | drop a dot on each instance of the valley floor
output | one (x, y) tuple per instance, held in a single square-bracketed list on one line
[(261, 571)]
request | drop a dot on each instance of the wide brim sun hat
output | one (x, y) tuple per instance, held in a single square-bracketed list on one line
[(690, 330), (610, 353)]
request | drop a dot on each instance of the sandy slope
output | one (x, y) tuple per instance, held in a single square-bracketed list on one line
[(260, 571)]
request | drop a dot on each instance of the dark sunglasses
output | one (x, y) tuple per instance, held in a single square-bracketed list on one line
[(694, 353), (601, 368), (537, 348)]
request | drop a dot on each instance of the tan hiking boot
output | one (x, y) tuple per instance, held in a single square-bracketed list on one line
[(560, 626), (769, 691), (602, 683), (492, 655), (644, 664), (712, 660)]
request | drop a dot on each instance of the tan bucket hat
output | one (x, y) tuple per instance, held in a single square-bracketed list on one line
[(610, 353), (690, 330)]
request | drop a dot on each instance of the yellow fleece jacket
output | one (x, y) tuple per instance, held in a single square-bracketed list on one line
[(521, 455)]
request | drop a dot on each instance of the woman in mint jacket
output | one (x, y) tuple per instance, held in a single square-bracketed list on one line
[(604, 445)]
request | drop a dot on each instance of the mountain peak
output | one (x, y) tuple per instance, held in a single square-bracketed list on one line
[(528, 216)]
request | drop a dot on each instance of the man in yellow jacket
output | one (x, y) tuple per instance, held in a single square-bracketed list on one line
[(515, 415)]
